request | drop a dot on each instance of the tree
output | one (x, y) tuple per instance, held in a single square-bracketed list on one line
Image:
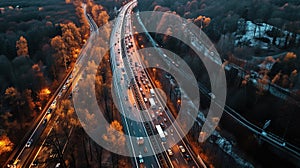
[(98, 13), (66, 112), (84, 29), (58, 44), (5, 144), (22, 48), (67, 46), (13, 98), (202, 21), (115, 138)]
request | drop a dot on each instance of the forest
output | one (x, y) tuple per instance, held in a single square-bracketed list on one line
[(40, 41)]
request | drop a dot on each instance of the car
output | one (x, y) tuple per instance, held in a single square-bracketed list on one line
[(145, 149), (181, 148), (16, 162), (170, 152), (141, 160), (59, 94), (13, 163), (263, 133), (165, 120), (49, 110), (57, 165), (64, 87), (212, 96), (53, 105), (187, 157), (145, 100), (162, 125), (35, 163), (140, 140), (44, 121), (29, 142), (10, 163)]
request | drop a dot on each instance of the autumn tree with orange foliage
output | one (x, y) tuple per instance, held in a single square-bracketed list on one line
[(21, 104), (5, 144), (22, 47), (84, 28), (289, 56), (202, 21), (115, 138), (98, 13), (67, 46)]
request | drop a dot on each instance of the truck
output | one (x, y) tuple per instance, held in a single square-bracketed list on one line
[(161, 133), (152, 103), (152, 92)]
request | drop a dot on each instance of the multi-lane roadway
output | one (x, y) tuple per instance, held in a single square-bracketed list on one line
[(129, 68)]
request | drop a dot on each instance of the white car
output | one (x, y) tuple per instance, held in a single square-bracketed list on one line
[(29, 142), (53, 105), (57, 165), (212, 96), (141, 160), (181, 148), (140, 140), (170, 152)]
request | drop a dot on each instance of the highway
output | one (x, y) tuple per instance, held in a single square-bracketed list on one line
[(23, 155), (130, 67), (121, 90)]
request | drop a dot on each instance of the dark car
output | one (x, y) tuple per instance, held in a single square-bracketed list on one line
[(44, 121), (49, 110), (187, 157)]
